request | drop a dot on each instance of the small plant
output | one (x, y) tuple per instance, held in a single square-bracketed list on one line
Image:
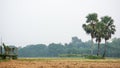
[(69, 55), (93, 57)]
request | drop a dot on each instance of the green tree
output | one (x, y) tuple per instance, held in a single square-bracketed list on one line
[(108, 30), (90, 27), (55, 49), (99, 34)]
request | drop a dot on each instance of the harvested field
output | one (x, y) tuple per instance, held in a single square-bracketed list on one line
[(59, 63)]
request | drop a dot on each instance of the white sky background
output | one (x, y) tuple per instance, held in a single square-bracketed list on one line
[(24, 22)]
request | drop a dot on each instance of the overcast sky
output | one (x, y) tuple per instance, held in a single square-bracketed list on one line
[(24, 22)]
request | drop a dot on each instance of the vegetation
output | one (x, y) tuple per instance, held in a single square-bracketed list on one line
[(99, 29), (93, 57), (109, 29), (90, 28), (70, 55), (76, 46)]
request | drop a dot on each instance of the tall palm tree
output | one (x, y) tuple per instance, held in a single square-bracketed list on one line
[(99, 34), (90, 27), (108, 30)]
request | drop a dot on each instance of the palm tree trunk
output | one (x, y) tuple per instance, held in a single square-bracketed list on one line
[(0, 49), (105, 48), (98, 49), (92, 44)]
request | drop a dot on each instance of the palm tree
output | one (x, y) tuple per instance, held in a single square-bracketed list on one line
[(90, 27), (99, 34), (108, 30)]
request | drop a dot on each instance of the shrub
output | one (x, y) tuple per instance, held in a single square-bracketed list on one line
[(69, 55), (93, 57)]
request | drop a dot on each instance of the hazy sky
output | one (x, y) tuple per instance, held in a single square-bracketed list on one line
[(24, 22)]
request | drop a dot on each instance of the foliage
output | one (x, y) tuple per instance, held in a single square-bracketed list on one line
[(90, 27), (73, 48), (99, 29), (70, 55), (93, 57)]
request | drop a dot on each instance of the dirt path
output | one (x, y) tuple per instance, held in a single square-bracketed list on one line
[(59, 64)]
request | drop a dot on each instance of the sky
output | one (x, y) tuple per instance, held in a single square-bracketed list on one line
[(24, 22)]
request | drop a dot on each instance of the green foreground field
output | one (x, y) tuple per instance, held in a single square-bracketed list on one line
[(66, 59)]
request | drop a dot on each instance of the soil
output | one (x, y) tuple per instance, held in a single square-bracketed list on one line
[(59, 64)]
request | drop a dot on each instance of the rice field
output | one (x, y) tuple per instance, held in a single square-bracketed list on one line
[(60, 63)]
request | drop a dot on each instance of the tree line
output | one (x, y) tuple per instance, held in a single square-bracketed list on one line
[(76, 46)]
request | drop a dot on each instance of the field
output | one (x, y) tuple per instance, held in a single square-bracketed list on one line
[(60, 63)]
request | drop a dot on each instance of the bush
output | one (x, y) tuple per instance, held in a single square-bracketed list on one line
[(93, 57), (69, 55), (14, 57)]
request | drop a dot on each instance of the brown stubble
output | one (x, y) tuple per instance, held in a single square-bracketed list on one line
[(59, 64)]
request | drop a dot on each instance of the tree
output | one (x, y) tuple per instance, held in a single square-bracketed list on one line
[(99, 34), (55, 49), (38, 50), (108, 30), (90, 28)]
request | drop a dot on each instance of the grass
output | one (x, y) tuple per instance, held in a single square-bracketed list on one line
[(67, 59), (48, 59), (5, 60)]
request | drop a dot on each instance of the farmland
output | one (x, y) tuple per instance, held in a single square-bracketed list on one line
[(60, 63)]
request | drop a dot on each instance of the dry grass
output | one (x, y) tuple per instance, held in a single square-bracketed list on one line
[(60, 63)]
